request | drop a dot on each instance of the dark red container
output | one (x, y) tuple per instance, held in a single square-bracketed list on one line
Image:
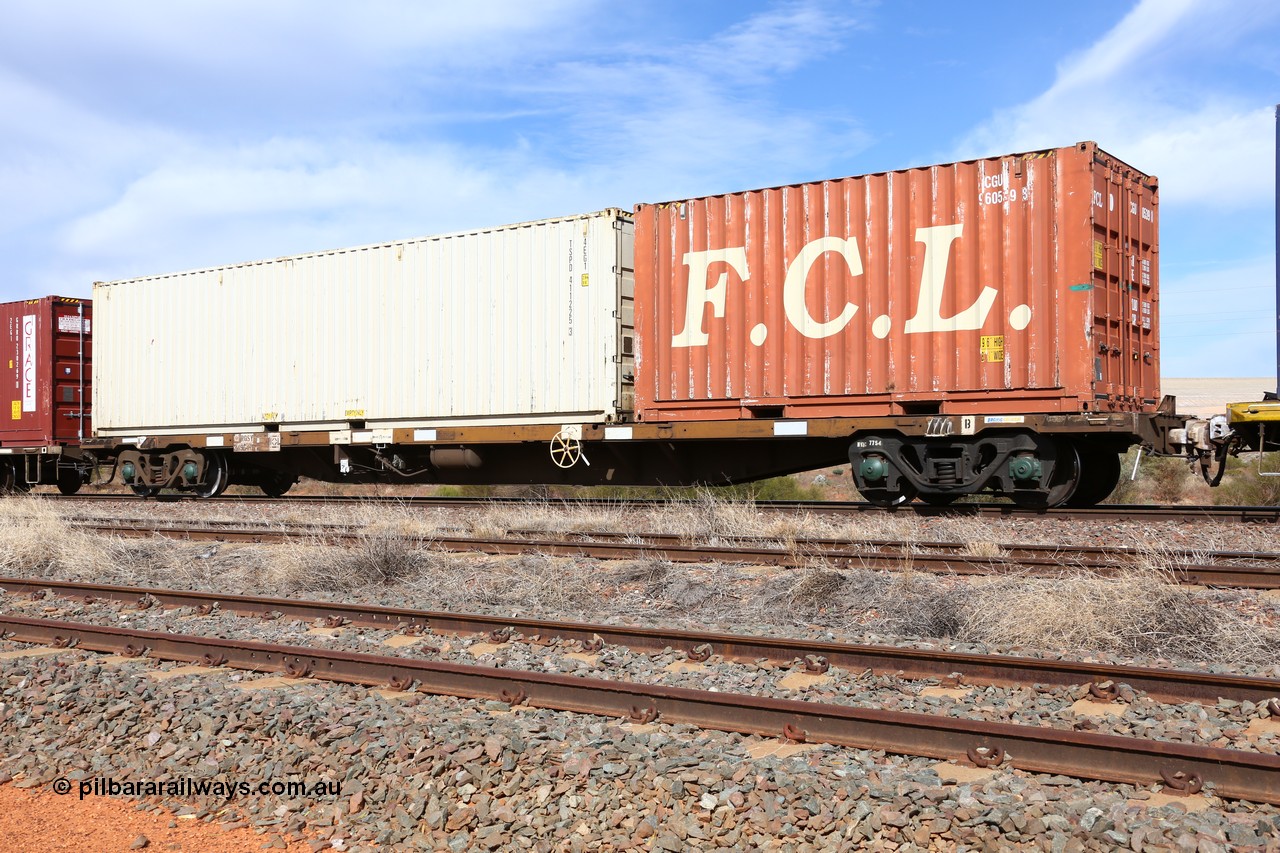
[(46, 371)]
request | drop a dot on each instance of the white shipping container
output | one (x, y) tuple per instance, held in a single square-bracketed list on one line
[(519, 324)]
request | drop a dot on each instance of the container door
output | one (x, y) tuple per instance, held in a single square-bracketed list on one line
[(72, 325), (1125, 279), (626, 315)]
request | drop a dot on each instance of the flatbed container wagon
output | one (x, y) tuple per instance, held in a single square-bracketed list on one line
[(991, 325), (46, 391)]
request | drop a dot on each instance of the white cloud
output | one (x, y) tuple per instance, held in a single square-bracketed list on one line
[(290, 196), (243, 40), (233, 71), (696, 116), (678, 119), (134, 145), (1133, 93), (56, 156), (1173, 90), (1135, 37), (287, 128), (777, 40)]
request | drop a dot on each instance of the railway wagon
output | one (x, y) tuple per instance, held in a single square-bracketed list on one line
[(46, 392), (990, 325)]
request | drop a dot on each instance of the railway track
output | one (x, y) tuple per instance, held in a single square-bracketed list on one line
[(1107, 512), (1263, 572), (1061, 553), (1233, 773), (952, 667)]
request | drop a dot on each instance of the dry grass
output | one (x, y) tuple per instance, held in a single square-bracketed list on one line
[(38, 541), (1139, 612), (984, 548), (382, 556), (547, 516), (708, 515), (814, 592), (35, 538), (907, 604), (527, 584)]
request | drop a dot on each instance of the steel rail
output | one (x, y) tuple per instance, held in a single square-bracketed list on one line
[(1116, 512), (1232, 773), (951, 667), (1092, 554), (1234, 576)]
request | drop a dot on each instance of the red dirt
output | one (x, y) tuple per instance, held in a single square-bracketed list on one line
[(44, 822)]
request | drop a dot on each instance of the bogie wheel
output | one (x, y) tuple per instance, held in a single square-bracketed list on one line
[(1099, 475), (939, 498), (69, 480), (275, 485), (1066, 477), (144, 491), (216, 476), (7, 477)]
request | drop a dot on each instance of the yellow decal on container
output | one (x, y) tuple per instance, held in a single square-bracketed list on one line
[(17, 410), (586, 279), (355, 413), (1098, 254), (270, 417), (991, 347)]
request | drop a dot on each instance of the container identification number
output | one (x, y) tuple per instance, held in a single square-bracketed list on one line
[(996, 190), (1006, 195)]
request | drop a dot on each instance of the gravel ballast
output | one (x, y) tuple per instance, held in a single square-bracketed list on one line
[(1230, 724), (442, 773)]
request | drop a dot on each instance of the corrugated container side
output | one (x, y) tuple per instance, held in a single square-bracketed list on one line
[(46, 377), (511, 325), (958, 288)]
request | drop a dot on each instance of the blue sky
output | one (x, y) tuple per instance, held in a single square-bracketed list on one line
[(143, 137)]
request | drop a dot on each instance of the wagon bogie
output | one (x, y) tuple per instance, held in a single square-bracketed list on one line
[(1035, 468)]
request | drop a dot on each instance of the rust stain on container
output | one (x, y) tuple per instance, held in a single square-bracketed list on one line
[(1024, 283)]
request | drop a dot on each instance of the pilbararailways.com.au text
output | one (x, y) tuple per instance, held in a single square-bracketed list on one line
[(188, 787)]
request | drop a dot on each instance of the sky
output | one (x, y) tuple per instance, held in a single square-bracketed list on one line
[(146, 137)]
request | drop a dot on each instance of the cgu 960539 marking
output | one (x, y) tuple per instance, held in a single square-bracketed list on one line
[(937, 240)]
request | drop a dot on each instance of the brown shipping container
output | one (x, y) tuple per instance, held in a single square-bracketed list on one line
[(46, 364), (1018, 284)]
